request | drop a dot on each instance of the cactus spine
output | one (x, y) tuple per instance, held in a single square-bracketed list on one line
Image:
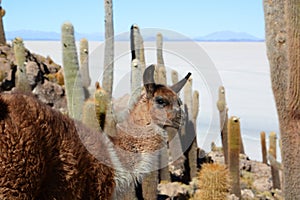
[(21, 81), (272, 152), (223, 111), (2, 32), (263, 147), (214, 182), (234, 141), (84, 65), (73, 82)]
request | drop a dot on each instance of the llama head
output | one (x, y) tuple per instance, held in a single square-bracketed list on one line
[(163, 102)]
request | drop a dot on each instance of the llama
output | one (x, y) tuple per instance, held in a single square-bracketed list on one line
[(46, 155)]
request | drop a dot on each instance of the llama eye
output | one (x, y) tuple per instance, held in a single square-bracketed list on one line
[(161, 101)]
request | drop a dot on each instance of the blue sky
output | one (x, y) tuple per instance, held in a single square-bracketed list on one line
[(191, 17)]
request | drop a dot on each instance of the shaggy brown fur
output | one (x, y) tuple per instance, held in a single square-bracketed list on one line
[(46, 155), (42, 157)]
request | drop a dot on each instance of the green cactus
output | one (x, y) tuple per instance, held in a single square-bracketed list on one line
[(136, 80), (2, 32), (272, 152), (195, 106), (84, 64), (263, 147), (160, 70), (213, 182), (72, 78), (234, 141), (223, 111), (190, 129), (137, 46), (21, 81), (149, 185), (136, 68), (174, 76), (108, 69), (101, 103), (89, 114)]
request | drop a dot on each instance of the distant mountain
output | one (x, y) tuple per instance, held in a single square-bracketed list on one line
[(44, 35), (148, 35), (228, 36)]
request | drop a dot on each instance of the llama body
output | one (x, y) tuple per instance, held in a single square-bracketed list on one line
[(46, 155)]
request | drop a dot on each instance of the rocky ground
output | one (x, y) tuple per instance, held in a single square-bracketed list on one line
[(44, 75), (256, 182)]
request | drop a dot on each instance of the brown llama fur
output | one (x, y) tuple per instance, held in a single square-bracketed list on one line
[(46, 155)]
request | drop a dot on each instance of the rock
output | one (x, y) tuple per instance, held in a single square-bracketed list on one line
[(174, 190), (177, 167), (247, 194), (33, 73), (232, 197), (49, 93)]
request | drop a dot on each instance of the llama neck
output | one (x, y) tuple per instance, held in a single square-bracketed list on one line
[(136, 153), (136, 145), (139, 115)]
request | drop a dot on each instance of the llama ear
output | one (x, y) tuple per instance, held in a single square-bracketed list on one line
[(178, 86), (148, 79)]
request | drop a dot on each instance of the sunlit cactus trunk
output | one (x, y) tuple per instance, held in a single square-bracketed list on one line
[(21, 82), (2, 31), (137, 45), (136, 67), (282, 41), (108, 68), (72, 77), (273, 154), (190, 132), (84, 65), (234, 141), (223, 111), (161, 69), (263, 147)]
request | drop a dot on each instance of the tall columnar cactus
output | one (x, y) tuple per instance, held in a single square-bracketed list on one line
[(194, 147), (213, 182), (223, 111), (161, 70), (108, 70), (84, 64), (190, 129), (89, 115), (2, 32), (188, 98), (101, 104), (136, 68), (21, 81), (234, 141), (263, 147), (137, 46), (175, 145), (72, 78), (272, 152), (195, 106), (282, 41), (174, 76)]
